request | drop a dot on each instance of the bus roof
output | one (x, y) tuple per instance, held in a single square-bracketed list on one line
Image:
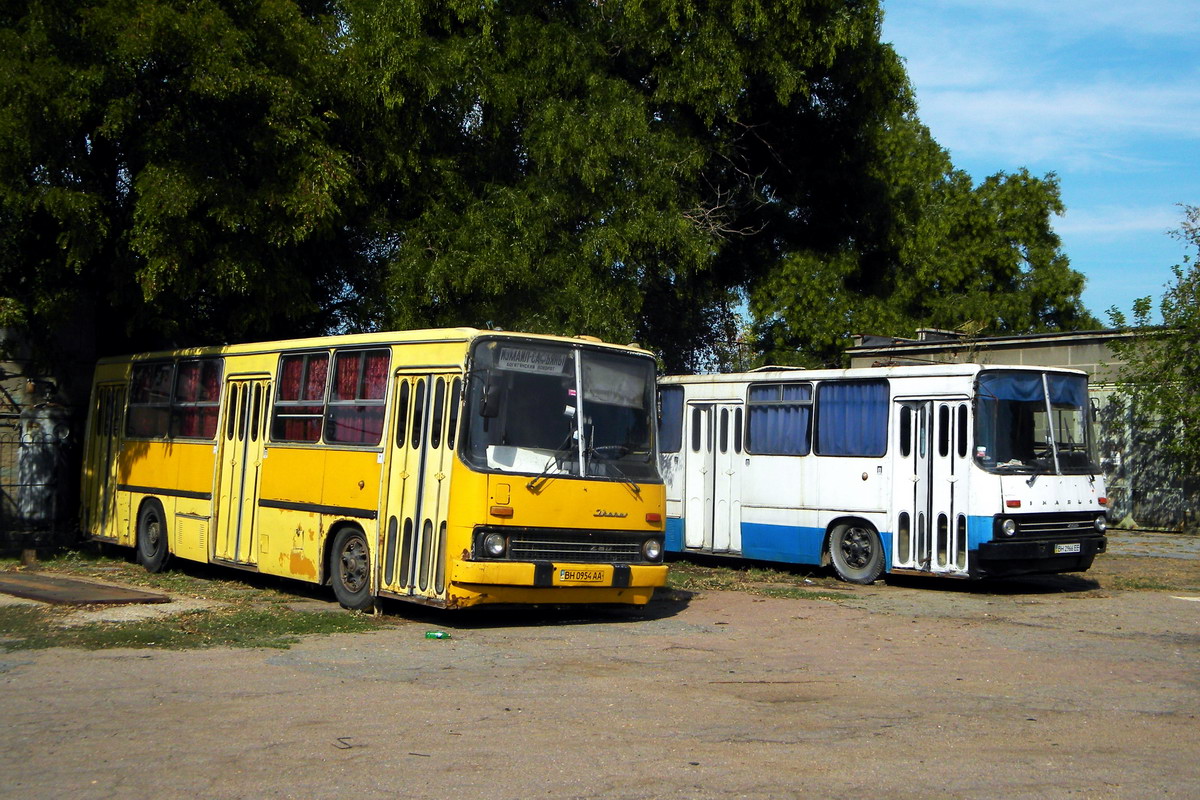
[(423, 336), (774, 374)]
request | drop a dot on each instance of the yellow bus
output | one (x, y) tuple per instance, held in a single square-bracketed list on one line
[(445, 467)]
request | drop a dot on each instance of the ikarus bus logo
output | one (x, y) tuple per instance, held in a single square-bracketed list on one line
[(600, 512)]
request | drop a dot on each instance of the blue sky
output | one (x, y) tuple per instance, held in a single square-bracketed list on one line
[(1104, 94)]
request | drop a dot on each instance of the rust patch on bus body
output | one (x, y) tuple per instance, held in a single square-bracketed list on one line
[(301, 566)]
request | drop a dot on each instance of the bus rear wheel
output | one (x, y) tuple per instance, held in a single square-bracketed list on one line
[(351, 570), (856, 553), (152, 550)]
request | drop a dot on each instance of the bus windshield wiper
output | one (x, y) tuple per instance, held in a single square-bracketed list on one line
[(536, 483), (608, 461)]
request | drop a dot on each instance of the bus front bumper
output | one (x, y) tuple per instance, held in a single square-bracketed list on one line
[(1039, 555), (475, 582), (541, 574)]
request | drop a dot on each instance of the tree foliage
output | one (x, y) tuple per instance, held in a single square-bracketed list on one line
[(1160, 375), (191, 171), (171, 170), (935, 251)]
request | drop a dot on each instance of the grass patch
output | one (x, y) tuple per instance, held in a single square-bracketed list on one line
[(253, 612), (1139, 584), (757, 580)]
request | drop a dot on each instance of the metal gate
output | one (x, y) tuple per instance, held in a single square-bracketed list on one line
[(35, 477)]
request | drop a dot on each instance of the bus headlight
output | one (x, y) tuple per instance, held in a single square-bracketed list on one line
[(1102, 523), (652, 550), (493, 545), (1008, 527)]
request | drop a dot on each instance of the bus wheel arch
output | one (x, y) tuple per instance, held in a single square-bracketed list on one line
[(855, 550), (349, 567), (152, 545)]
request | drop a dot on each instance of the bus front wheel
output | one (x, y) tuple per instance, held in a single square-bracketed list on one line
[(152, 551), (856, 553), (351, 570)]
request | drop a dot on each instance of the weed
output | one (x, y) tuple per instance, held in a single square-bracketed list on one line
[(247, 614), (750, 579)]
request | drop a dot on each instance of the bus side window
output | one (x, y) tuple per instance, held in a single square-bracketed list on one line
[(779, 419), (852, 418), (670, 419), (300, 397)]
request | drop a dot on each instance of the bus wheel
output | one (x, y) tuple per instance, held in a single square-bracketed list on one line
[(351, 569), (152, 551), (856, 552)]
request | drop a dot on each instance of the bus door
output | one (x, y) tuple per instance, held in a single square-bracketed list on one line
[(930, 486), (712, 481), (103, 444), (242, 442), (418, 495)]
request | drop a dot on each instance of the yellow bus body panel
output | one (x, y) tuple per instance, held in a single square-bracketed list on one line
[(307, 492)]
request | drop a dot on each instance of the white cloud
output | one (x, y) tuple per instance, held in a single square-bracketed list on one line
[(1130, 18), (1109, 222), (1082, 125)]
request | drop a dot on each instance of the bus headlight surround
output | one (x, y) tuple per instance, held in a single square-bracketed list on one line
[(494, 545), (1101, 523), (652, 550), (1008, 526)]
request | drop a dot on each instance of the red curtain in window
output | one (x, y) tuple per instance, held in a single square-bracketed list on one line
[(187, 385), (210, 382), (289, 377), (346, 381), (318, 369), (375, 375)]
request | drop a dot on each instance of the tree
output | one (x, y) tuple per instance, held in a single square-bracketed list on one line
[(169, 171), (618, 169), (934, 251), (1160, 375), (196, 171)]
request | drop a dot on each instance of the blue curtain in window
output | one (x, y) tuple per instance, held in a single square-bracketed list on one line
[(670, 421), (1067, 390), (1025, 387), (779, 430), (852, 418)]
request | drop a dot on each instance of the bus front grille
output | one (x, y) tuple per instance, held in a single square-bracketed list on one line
[(577, 546), (1056, 525)]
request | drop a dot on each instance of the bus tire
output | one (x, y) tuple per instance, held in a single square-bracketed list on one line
[(350, 569), (152, 549), (856, 552)]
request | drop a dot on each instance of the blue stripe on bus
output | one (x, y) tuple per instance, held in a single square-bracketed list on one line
[(674, 537)]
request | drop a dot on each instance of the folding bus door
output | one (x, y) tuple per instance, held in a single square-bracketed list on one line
[(930, 485), (242, 438), (104, 441), (422, 449), (712, 478)]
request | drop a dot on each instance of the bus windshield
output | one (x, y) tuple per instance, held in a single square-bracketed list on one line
[(1033, 423), (538, 408)]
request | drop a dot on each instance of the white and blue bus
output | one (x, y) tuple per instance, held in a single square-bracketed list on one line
[(959, 470)]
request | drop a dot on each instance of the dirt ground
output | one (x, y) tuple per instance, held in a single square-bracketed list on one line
[(1072, 686)]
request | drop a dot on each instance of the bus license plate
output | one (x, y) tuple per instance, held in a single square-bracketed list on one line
[(581, 575), (1066, 548)]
